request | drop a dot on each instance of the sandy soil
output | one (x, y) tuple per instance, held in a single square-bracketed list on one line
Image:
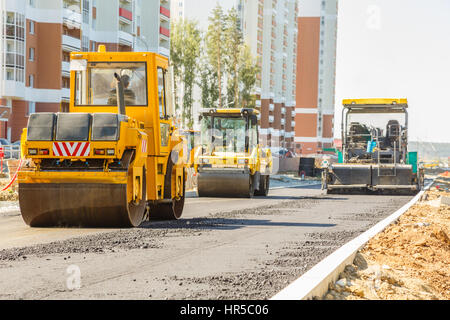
[(8, 195), (409, 261)]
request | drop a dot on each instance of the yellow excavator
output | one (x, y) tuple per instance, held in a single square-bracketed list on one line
[(230, 161), (116, 158)]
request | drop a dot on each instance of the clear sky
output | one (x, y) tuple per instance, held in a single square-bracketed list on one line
[(388, 48), (397, 48)]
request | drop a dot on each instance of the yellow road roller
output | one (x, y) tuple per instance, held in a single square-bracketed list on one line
[(230, 161), (116, 158)]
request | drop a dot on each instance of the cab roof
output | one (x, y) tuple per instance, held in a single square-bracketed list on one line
[(376, 105), (230, 111), (375, 102)]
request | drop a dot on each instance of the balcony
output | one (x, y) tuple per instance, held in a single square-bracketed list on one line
[(164, 32), (164, 12), (289, 134), (70, 43), (72, 18), (164, 51), (125, 38), (13, 88), (65, 94), (65, 68), (127, 15)]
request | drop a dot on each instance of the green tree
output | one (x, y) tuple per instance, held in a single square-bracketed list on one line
[(233, 45), (208, 84), (248, 71), (176, 53), (185, 53), (215, 39)]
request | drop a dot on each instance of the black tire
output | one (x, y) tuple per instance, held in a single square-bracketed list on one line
[(251, 187), (169, 211), (136, 211), (264, 186)]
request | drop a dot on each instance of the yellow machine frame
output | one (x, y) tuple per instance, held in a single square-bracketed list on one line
[(157, 144)]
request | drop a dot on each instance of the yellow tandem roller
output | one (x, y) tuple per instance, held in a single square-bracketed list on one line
[(115, 158), (231, 163)]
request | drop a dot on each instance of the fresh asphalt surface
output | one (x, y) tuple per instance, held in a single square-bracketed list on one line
[(220, 249)]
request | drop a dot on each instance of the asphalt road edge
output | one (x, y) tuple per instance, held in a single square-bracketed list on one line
[(193, 193), (315, 282)]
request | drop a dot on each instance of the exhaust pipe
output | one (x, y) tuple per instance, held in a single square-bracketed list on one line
[(120, 95)]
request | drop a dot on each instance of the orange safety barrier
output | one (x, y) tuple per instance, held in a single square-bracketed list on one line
[(15, 176)]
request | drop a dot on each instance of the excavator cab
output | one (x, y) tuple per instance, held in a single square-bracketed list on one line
[(115, 158)]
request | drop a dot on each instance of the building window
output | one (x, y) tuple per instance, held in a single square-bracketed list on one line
[(31, 54), (31, 108), (85, 44), (9, 74), (31, 27), (31, 81)]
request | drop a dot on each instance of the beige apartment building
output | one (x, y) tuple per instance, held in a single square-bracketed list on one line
[(38, 36), (316, 75), (270, 30)]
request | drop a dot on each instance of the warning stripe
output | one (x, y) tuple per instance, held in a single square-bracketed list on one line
[(74, 149), (86, 150), (144, 146)]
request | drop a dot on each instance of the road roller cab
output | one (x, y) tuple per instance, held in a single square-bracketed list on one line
[(115, 156), (230, 161)]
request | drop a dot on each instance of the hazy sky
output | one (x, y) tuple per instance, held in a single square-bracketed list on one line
[(397, 48)]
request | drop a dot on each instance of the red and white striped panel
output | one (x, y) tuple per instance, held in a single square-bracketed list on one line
[(71, 149), (144, 146)]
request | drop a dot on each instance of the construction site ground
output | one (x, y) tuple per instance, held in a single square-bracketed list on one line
[(409, 261)]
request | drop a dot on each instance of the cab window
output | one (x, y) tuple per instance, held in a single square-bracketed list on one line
[(96, 86), (162, 93)]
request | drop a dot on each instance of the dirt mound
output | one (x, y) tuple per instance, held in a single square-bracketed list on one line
[(409, 260)]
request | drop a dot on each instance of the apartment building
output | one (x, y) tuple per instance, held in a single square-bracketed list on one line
[(38, 36), (270, 30), (316, 74)]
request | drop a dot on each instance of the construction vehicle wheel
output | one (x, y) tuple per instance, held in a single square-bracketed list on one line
[(136, 211), (81, 205), (251, 187), (264, 185), (169, 211)]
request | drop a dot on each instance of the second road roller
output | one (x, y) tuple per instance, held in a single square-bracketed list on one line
[(116, 158), (230, 161)]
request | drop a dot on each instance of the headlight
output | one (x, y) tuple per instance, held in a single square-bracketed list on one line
[(110, 152), (32, 152), (243, 161), (205, 161)]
